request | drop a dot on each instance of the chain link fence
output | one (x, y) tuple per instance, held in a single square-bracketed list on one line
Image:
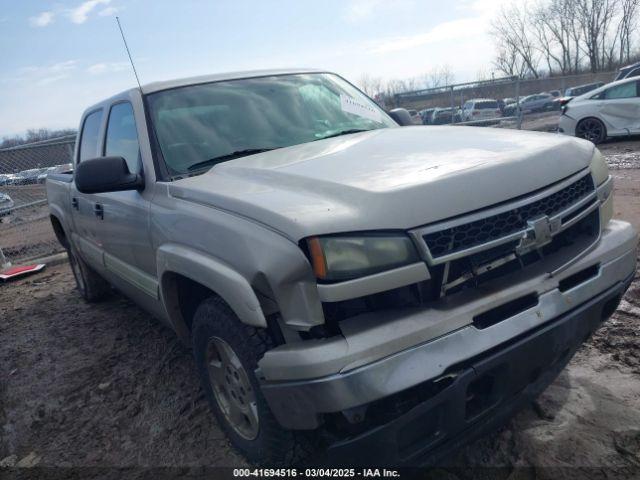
[(509, 102), (25, 229)]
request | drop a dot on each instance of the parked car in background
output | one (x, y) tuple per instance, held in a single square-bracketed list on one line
[(415, 117), (609, 111), (442, 116), (582, 89), (480, 109), (44, 172), (6, 204), (27, 177), (628, 71), (538, 102), (426, 115), (5, 179)]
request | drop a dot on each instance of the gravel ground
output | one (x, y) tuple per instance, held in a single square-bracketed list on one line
[(107, 386)]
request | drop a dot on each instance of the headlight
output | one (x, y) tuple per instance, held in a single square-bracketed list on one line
[(600, 173), (599, 167), (346, 257)]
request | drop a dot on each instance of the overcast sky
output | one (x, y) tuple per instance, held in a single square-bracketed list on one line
[(58, 57)]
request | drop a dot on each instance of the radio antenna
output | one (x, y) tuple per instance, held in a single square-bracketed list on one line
[(129, 53)]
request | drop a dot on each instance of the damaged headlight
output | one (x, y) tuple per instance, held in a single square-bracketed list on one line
[(344, 257)]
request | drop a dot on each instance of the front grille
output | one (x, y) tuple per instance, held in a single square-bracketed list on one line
[(461, 237), (463, 272), (578, 229)]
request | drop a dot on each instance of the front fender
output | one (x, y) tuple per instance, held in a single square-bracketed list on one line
[(214, 274)]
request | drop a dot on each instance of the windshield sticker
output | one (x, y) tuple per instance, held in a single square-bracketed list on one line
[(351, 105)]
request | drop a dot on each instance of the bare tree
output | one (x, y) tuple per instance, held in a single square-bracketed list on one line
[(626, 25), (440, 76), (566, 35), (372, 86), (553, 24), (511, 29), (509, 61), (594, 17)]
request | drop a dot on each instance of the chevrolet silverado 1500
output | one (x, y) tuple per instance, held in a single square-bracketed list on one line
[(397, 291)]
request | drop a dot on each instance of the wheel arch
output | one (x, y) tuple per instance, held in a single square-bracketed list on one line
[(188, 276), (59, 230)]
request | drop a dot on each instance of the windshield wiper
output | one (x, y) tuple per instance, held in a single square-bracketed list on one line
[(346, 132), (228, 156)]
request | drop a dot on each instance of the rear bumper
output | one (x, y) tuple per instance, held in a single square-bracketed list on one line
[(567, 125), (484, 394)]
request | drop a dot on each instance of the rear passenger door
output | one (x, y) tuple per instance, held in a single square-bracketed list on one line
[(85, 235), (123, 228), (619, 107)]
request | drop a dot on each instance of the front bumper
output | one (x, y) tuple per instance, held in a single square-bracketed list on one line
[(484, 394), (380, 356)]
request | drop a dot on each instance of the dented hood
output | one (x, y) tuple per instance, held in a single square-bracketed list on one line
[(387, 179)]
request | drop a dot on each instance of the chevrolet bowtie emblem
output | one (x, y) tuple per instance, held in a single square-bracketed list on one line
[(538, 234)]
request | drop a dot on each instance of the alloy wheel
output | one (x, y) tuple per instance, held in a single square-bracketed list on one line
[(591, 129), (232, 388)]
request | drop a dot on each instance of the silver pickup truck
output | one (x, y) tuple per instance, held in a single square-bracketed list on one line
[(375, 292)]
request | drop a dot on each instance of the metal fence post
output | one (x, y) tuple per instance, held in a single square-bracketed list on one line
[(453, 116), (518, 111), (4, 263)]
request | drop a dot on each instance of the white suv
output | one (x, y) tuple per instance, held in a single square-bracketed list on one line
[(480, 109)]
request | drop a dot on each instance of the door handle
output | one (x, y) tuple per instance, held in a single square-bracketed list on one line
[(98, 211), (74, 203)]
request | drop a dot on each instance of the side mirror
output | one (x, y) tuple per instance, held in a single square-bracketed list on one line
[(401, 116), (106, 174)]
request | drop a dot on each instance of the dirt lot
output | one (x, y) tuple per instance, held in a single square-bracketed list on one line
[(106, 386)]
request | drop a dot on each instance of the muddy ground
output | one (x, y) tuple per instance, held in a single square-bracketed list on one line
[(106, 386)]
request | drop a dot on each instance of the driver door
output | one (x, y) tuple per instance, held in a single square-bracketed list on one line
[(123, 228)]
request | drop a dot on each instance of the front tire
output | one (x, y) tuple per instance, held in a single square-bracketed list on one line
[(226, 354), (591, 129)]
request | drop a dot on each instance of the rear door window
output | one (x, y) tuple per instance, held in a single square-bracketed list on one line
[(122, 136), (487, 105), (626, 90), (89, 136)]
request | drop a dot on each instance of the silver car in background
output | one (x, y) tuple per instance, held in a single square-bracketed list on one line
[(609, 111), (6, 204)]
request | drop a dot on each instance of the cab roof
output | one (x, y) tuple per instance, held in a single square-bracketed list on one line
[(217, 77)]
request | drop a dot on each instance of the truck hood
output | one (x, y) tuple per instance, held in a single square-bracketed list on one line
[(387, 179)]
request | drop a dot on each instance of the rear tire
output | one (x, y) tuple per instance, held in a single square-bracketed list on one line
[(591, 129), (91, 286), (226, 353)]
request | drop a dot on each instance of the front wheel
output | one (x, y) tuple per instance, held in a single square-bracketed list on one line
[(591, 129), (226, 354)]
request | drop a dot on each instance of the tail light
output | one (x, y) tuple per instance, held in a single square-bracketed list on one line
[(564, 104)]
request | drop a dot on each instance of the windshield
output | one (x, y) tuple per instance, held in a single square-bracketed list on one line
[(198, 126)]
